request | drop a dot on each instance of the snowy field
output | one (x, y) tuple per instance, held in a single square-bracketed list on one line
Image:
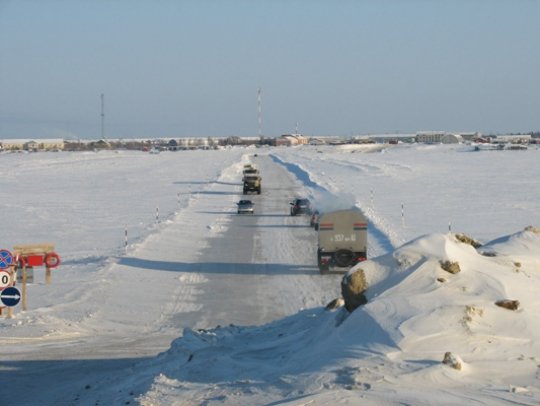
[(126, 312)]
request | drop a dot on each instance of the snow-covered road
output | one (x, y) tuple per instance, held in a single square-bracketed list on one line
[(138, 324), (206, 267)]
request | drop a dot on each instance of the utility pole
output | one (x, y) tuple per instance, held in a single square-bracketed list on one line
[(102, 116), (259, 111)]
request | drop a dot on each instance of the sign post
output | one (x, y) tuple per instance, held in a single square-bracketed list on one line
[(24, 280), (6, 278), (48, 275), (31, 255), (10, 296)]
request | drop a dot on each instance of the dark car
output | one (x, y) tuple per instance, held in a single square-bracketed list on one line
[(300, 206), (245, 206)]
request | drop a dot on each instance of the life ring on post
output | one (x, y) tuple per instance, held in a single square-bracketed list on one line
[(52, 260)]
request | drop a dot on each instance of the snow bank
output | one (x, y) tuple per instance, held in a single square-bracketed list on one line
[(417, 316)]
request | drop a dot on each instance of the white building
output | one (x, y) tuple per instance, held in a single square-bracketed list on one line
[(512, 139), (430, 137), (53, 144), (452, 139)]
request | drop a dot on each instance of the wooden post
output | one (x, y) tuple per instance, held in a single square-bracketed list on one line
[(10, 312), (37, 249), (48, 275), (23, 290)]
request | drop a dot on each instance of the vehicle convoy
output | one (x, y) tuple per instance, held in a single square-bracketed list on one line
[(342, 239), (251, 179), (300, 206)]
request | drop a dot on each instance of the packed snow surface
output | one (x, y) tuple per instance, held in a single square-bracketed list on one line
[(165, 296)]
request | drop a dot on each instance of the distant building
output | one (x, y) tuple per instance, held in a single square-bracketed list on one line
[(471, 136), (316, 141), (452, 139), (172, 145), (291, 140), (430, 137), (513, 139), (54, 144), (389, 138), (100, 144)]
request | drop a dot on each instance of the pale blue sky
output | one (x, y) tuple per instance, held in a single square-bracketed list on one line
[(192, 68)]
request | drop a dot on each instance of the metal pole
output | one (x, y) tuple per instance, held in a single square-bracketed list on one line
[(102, 116), (259, 111)]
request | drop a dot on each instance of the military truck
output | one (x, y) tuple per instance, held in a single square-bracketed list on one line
[(252, 183), (250, 171), (342, 239)]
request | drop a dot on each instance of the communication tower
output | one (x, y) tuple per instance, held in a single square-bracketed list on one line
[(102, 116), (259, 111)]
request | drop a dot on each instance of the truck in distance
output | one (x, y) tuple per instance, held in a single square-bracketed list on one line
[(252, 183), (251, 179)]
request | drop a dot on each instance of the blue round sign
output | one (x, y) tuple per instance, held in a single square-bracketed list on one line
[(10, 296), (6, 259)]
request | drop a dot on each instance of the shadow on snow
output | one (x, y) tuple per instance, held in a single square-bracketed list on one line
[(86, 381), (209, 182), (219, 267)]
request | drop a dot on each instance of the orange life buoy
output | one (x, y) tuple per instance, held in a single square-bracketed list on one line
[(52, 260)]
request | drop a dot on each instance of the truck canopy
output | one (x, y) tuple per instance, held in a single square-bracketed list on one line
[(343, 229)]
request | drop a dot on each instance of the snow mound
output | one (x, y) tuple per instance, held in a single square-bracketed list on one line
[(361, 147), (420, 322), (523, 243)]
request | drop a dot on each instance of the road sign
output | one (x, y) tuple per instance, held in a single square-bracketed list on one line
[(10, 296), (29, 275), (5, 279), (6, 259)]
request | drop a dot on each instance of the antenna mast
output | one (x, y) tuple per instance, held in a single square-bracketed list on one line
[(259, 111), (102, 116)]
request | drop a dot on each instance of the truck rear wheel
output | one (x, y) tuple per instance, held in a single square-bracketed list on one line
[(344, 257)]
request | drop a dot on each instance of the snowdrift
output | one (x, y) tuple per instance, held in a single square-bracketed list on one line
[(417, 315)]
